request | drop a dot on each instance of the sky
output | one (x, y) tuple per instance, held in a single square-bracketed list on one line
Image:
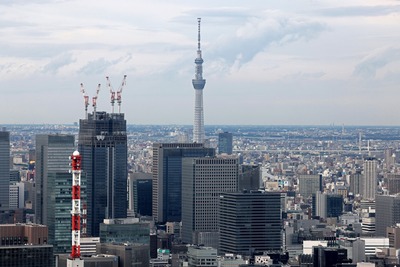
[(275, 62)]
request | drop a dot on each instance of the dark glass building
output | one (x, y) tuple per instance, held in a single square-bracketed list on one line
[(4, 170), (387, 213), (27, 256), (167, 177), (225, 143), (250, 220), (142, 195), (103, 147)]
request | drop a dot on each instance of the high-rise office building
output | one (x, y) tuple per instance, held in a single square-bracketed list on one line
[(203, 180), (392, 181), (356, 182), (4, 170), (167, 177), (370, 178), (53, 187), (225, 143), (250, 220), (327, 205), (386, 213), (140, 193), (103, 147), (198, 85), (390, 158), (249, 177), (309, 184)]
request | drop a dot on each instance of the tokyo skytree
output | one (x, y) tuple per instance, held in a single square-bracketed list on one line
[(198, 85)]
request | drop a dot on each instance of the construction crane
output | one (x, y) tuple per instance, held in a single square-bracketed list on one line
[(112, 93), (86, 100), (94, 101), (119, 93)]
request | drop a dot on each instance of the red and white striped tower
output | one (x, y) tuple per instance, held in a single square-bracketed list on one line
[(75, 256)]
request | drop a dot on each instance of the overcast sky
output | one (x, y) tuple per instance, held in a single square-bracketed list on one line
[(269, 62)]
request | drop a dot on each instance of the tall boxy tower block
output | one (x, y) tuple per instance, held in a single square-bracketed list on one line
[(198, 85), (4, 170), (103, 148)]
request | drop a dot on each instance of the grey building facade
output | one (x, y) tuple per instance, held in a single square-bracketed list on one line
[(387, 213), (167, 177), (309, 184), (250, 220), (203, 180), (103, 147), (4, 170), (53, 188)]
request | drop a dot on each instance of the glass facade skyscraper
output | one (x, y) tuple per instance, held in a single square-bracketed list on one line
[(4, 170), (103, 147), (167, 177), (225, 143), (53, 188)]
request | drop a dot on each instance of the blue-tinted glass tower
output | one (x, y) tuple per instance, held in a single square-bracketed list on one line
[(4, 170), (225, 143), (103, 146), (167, 177)]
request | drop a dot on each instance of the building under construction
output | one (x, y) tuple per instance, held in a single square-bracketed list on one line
[(103, 147)]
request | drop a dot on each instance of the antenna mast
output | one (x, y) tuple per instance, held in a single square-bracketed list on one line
[(75, 256)]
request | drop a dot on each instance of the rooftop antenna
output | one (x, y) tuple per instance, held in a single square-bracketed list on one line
[(86, 100)]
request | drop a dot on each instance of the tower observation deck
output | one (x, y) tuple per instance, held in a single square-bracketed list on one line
[(198, 85)]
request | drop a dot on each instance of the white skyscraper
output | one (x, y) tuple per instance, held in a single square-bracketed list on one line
[(198, 85), (370, 178)]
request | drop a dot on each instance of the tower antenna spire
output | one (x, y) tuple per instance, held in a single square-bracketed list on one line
[(198, 85), (198, 33)]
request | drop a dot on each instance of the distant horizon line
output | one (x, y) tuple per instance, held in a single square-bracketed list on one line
[(213, 125)]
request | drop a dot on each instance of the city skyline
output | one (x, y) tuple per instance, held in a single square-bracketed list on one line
[(266, 63)]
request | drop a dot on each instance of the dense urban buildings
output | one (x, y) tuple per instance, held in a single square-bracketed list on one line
[(103, 147), (275, 161), (167, 177)]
